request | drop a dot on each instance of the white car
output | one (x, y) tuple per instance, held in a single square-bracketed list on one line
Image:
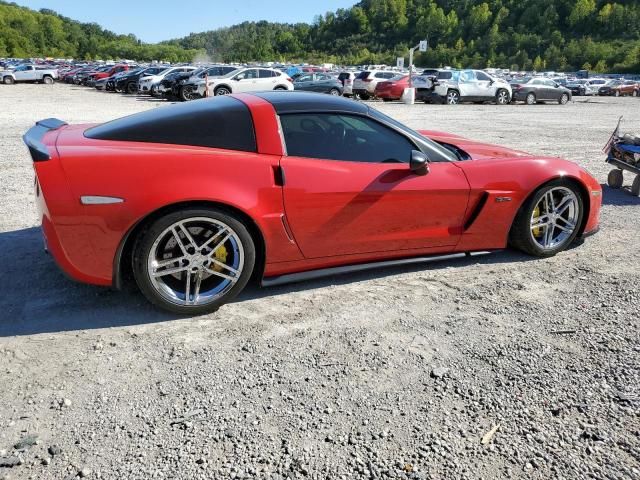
[(148, 85), (246, 80), (365, 83), (347, 79), (29, 73), (455, 86)]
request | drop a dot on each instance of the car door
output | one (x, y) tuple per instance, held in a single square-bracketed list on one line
[(266, 79), (467, 85), (25, 73), (304, 82), (485, 86), (348, 189), (246, 81)]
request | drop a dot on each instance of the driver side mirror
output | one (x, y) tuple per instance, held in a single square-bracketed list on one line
[(419, 164)]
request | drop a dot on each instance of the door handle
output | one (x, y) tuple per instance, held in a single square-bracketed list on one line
[(278, 176)]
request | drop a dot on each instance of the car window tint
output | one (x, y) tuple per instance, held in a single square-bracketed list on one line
[(248, 74), (467, 76), (444, 75), (305, 78), (265, 73), (483, 76), (343, 137)]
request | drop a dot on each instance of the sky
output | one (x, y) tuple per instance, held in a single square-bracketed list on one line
[(156, 20)]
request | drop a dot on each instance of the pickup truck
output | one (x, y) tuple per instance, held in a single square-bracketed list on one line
[(28, 73)]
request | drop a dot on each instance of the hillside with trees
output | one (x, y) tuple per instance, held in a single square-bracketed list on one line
[(26, 33), (600, 35)]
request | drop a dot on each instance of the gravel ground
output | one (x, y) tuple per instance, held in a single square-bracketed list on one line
[(498, 367)]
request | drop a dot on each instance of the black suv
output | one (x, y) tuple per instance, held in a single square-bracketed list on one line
[(129, 83)]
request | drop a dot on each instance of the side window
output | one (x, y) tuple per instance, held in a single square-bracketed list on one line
[(467, 76), (305, 78), (265, 73), (343, 137), (248, 75), (483, 76)]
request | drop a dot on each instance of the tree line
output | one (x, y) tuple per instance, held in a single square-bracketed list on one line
[(563, 35)]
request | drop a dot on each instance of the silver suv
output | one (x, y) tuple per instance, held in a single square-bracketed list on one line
[(456, 86)]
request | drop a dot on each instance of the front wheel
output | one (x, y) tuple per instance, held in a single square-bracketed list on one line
[(8, 80), (502, 97), (132, 88), (193, 261), (221, 91), (549, 221), (564, 99)]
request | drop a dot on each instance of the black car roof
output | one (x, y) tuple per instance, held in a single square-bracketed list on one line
[(290, 102)]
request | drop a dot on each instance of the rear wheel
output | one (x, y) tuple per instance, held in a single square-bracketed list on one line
[(47, 80), (453, 97), (615, 178), (280, 87), (530, 99), (564, 99), (364, 96), (193, 261), (549, 221)]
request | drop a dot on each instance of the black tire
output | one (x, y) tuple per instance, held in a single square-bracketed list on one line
[(364, 96), (8, 80), (521, 237), (615, 179), (530, 99), (131, 88), (635, 186), (47, 80), (387, 100), (280, 88), (453, 97), (222, 91), (185, 93), (564, 99), (335, 92), (144, 243)]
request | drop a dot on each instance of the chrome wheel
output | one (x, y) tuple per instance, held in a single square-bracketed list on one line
[(503, 97), (195, 261), (335, 92), (531, 99), (453, 97), (555, 218), (222, 91), (564, 99)]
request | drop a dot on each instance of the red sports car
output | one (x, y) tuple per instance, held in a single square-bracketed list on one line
[(192, 200)]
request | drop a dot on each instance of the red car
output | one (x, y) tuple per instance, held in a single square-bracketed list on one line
[(193, 200), (112, 71), (392, 89)]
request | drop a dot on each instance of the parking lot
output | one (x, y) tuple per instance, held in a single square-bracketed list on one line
[(394, 373)]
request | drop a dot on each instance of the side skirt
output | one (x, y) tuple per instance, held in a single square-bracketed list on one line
[(327, 272)]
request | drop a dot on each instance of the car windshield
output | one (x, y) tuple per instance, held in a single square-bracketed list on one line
[(433, 150), (233, 73)]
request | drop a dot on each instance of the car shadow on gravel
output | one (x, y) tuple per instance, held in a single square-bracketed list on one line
[(37, 298), (618, 196)]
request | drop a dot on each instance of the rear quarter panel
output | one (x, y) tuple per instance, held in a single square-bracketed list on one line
[(152, 176)]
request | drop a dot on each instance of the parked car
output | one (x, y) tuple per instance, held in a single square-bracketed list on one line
[(185, 88), (347, 79), (319, 83), (582, 87), (149, 84), (284, 187), (93, 77), (246, 80), (619, 88), (392, 89), (128, 83), (425, 84), (29, 73), (364, 86), (539, 90), (469, 86)]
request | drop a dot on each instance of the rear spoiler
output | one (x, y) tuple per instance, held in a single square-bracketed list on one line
[(33, 138)]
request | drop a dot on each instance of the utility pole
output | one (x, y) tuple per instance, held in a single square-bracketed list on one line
[(422, 46)]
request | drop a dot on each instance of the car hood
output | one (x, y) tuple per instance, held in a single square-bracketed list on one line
[(476, 150)]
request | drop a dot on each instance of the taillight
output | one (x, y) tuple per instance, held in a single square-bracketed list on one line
[(289, 79), (368, 80)]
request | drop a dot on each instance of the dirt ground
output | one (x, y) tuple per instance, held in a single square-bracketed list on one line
[(395, 373)]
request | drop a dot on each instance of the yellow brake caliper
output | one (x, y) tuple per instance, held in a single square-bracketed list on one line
[(221, 255), (537, 231)]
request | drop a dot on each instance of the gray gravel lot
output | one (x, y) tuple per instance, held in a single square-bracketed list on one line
[(397, 373)]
